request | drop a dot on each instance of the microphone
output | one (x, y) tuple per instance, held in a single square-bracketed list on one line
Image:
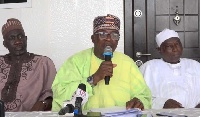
[(69, 108), (107, 56), (79, 99), (69, 104), (2, 111)]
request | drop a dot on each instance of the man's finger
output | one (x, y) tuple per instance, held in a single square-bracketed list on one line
[(137, 104), (128, 105), (114, 65)]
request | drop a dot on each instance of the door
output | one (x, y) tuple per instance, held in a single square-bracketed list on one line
[(145, 18)]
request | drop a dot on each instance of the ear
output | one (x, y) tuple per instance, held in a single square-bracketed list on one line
[(26, 38), (159, 49), (92, 37), (4, 43)]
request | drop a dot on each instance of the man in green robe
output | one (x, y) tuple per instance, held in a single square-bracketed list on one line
[(126, 86)]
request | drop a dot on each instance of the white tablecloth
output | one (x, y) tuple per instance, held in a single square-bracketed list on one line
[(193, 112), (187, 112)]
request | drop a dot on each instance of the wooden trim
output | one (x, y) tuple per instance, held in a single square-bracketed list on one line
[(128, 28)]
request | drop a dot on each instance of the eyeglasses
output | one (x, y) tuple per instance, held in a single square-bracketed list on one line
[(104, 35)]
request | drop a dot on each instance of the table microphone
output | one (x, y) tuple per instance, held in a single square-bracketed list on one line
[(70, 105), (2, 111), (69, 108), (107, 56), (78, 102)]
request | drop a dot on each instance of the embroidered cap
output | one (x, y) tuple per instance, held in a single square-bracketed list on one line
[(11, 24), (164, 35), (106, 22)]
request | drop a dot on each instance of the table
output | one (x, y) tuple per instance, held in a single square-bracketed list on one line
[(33, 114), (194, 112)]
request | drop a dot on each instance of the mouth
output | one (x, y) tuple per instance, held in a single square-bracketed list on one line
[(108, 45), (176, 56), (19, 47)]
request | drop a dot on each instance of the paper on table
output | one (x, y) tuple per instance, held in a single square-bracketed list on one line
[(170, 114), (117, 112)]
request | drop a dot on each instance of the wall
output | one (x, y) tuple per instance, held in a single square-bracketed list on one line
[(60, 28)]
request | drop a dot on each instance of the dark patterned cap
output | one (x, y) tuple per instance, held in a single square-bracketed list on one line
[(106, 22), (11, 24)]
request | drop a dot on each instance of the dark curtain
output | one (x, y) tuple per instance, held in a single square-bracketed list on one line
[(14, 1)]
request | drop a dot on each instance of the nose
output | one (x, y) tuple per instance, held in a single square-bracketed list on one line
[(108, 38), (18, 41), (175, 48)]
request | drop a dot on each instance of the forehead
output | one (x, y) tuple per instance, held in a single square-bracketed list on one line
[(14, 32), (108, 30), (171, 40)]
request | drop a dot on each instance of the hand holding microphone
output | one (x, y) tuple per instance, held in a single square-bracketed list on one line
[(105, 70)]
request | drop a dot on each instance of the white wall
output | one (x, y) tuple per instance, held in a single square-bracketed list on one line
[(60, 28)]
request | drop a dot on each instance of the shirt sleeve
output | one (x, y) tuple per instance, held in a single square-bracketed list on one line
[(146, 70), (158, 102), (48, 75), (139, 88)]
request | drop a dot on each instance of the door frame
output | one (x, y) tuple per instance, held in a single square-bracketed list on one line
[(135, 41), (128, 28)]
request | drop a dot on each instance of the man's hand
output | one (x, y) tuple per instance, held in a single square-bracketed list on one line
[(105, 69), (197, 106), (43, 105), (170, 103), (38, 106), (134, 103)]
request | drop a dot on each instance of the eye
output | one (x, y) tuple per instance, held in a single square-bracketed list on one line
[(115, 35), (169, 46), (177, 44), (103, 33), (12, 37), (20, 36)]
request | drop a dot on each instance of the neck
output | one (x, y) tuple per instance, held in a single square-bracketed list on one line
[(172, 62), (18, 57)]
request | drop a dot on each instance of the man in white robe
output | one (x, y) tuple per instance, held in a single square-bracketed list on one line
[(173, 81)]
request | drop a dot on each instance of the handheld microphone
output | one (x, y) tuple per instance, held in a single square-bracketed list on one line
[(107, 56)]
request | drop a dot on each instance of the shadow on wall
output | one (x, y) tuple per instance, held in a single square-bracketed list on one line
[(12, 1)]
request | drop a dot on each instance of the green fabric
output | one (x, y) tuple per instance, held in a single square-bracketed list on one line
[(126, 83)]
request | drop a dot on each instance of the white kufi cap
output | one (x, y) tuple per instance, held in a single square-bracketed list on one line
[(164, 35)]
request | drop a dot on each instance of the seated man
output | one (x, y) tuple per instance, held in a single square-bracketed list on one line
[(174, 81), (25, 78), (126, 87)]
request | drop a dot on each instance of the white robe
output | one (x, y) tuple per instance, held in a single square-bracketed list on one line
[(180, 82)]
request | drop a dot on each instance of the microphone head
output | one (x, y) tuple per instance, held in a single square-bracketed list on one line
[(82, 86), (81, 92), (107, 51)]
